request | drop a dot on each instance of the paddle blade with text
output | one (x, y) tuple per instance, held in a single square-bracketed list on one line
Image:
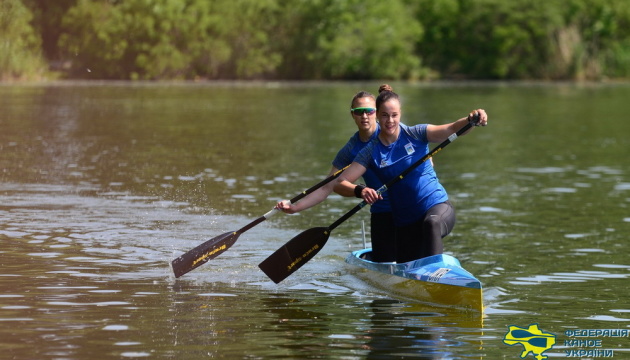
[(295, 253), (202, 253)]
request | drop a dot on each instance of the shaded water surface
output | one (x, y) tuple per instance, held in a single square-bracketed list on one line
[(101, 185)]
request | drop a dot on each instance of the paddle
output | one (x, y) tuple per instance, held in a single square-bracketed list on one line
[(218, 245), (297, 251), (536, 340)]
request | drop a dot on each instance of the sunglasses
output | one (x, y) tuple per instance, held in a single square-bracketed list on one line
[(363, 110)]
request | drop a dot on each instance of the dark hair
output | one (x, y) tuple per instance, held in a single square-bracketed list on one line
[(361, 95), (385, 93)]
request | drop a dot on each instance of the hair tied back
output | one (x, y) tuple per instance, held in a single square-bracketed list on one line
[(384, 87)]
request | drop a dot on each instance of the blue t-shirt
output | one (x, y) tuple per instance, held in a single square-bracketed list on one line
[(346, 155), (418, 191)]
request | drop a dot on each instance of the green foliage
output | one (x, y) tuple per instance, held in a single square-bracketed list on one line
[(169, 39), (486, 38), (542, 39), (318, 39), (154, 39), (47, 18), (20, 56), (603, 28), (362, 39)]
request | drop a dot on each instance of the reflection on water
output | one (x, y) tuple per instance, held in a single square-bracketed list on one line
[(403, 331), (102, 186)]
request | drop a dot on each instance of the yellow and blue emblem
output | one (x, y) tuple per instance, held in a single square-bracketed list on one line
[(532, 338)]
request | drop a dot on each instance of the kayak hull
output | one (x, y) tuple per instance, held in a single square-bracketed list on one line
[(438, 280)]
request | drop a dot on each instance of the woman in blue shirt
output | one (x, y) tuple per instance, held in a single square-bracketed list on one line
[(422, 213)]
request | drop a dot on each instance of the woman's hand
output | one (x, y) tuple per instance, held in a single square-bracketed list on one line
[(286, 207), (370, 195), (483, 117)]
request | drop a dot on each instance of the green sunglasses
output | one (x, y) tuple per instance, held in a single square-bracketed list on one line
[(363, 110)]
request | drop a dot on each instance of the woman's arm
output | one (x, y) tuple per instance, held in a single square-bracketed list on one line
[(344, 189), (309, 200), (439, 133), (354, 171), (352, 174)]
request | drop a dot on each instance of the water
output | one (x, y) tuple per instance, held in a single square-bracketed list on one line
[(103, 184)]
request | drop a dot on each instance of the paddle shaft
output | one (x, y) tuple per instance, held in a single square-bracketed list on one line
[(406, 172), (295, 199)]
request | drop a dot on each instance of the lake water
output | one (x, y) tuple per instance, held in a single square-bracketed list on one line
[(103, 184)]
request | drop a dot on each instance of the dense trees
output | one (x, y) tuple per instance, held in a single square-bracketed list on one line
[(315, 39), (540, 39)]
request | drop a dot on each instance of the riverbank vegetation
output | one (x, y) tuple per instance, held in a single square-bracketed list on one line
[(315, 39)]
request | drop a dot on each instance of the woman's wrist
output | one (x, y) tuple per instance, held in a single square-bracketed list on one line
[(358, 190)]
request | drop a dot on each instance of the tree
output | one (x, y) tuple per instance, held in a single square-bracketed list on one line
[(20, 54)]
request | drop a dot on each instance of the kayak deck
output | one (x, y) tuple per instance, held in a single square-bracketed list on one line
[(438, 280)]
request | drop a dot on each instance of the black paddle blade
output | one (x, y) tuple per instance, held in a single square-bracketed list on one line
[(202, 253), (295, 253)]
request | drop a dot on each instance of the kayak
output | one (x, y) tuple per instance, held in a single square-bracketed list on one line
[(438, 280)]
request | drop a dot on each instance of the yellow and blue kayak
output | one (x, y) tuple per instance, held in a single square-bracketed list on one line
[(438, 280)]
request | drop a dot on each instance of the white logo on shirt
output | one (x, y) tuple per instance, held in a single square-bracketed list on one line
[(409, 148)]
